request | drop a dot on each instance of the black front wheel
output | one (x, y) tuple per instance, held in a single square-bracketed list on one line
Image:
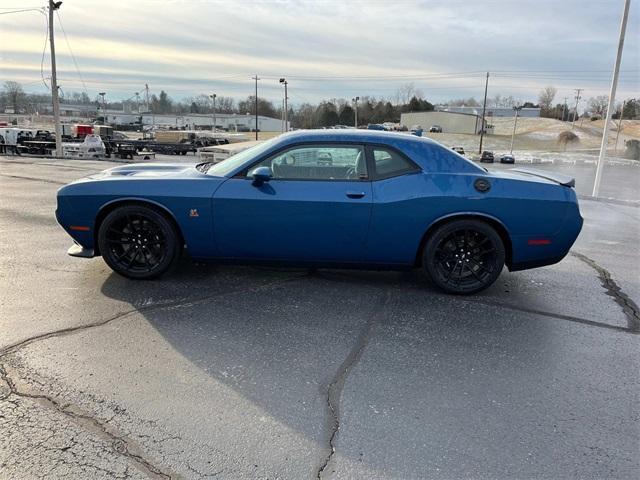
[(464, 256), (138, 242)]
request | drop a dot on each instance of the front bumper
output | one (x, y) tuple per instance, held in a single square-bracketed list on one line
[(77, 250)]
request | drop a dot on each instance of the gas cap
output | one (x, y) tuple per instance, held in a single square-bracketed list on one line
[(482, 185)]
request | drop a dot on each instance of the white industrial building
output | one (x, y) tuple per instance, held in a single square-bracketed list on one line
[(462, 119), (491, 111), (187, 121), (192, 121), (451, 122)]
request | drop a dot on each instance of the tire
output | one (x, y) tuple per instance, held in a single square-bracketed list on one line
[(139, 242), (464, 256)]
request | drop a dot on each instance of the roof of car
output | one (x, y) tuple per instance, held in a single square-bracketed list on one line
[(352, 134)]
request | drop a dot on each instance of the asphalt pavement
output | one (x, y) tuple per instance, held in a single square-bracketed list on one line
[(244, 372)]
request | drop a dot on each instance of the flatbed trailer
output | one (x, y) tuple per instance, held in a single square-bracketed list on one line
[(156, 147)]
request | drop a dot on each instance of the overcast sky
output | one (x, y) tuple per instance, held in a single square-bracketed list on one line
[(326, 48)]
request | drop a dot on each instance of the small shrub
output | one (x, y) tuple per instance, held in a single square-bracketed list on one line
[(567, 137), (632, 149)]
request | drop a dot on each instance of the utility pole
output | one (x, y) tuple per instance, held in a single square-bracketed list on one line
[(53, 6), (619, 124), (575, 112), (213, 116), (515, 123), (484, 108), (286, 112), (138, 101), (146, 96), (256, 79), (355, 100), (104, 108), (612, 98)]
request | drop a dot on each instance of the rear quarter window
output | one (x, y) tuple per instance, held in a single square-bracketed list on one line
[(391, 163)]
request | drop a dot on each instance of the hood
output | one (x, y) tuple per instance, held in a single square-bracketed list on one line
[(142, 170)]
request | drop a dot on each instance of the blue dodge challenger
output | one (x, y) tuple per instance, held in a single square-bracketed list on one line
[(338, 198)]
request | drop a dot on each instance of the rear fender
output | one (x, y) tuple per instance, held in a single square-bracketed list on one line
[(490, 219)]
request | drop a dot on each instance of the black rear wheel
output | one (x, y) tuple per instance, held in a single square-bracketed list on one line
[(138, 242), (464, 256)]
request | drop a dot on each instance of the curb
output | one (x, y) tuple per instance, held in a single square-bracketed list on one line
[(615, 201)]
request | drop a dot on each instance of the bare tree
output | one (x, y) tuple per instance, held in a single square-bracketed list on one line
[(459, 102), (14, 93), (406, 92), (598, 105), (545, 98), (225, 104)]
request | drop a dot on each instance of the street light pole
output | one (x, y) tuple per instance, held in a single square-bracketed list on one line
[(484, 108), (515, 124), (286, 111), (54, 80), (213, 116), (612, 99), (256, 103), (355, 101)]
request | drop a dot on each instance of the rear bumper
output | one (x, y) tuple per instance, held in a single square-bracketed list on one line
[(536, 263), (528, 255)]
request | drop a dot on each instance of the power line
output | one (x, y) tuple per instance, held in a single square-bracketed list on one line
[(73, 57), (41, 9), (44, 50)]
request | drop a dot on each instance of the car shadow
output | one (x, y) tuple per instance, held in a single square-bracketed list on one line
[(278, 337)]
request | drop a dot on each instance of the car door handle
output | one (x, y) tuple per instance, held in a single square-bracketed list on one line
[(351, 194)]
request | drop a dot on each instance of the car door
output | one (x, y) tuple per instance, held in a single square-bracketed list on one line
[(399, 207), (315, 207)]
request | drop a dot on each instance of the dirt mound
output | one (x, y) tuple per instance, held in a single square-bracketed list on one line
[(568, 137)]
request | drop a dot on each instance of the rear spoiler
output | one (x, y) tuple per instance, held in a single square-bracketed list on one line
[(559, 178)]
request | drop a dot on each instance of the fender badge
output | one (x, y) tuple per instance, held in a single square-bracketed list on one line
[(194, 212)]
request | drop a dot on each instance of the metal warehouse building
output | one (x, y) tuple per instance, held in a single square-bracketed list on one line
[(191, 121), (492, 111), (451, 122)]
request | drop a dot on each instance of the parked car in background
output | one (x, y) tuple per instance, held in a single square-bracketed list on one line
[(385, 200), (507, 158), (416, 130), (487, 157), (435, 129), (375, 126), (459, 150)]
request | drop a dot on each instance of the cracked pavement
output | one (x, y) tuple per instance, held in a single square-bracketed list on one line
[(240, 372)]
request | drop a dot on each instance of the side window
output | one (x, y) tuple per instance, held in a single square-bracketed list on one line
[(317, 162), (389, 163)]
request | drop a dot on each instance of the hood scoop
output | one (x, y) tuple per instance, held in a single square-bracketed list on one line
[(147, 170)]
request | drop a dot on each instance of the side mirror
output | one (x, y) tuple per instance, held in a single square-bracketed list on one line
[(261, 175)]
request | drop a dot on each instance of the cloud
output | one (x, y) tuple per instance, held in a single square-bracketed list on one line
[(191, 47)]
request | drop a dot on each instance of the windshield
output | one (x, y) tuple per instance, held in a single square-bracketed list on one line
[(235, 161)]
